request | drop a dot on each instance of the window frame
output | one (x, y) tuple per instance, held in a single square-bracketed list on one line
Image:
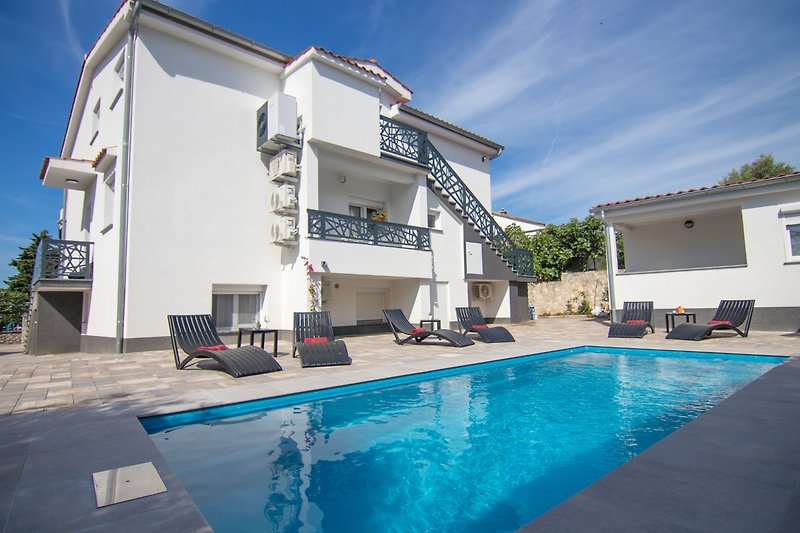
[(790, 218), (236, 293)]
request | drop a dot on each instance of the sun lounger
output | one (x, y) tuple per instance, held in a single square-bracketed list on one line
[(400, 324), (471, 321), (314, 340), (196, 336), (731, 314), (636, 318)]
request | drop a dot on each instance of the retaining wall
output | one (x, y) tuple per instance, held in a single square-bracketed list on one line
[(565, 296)]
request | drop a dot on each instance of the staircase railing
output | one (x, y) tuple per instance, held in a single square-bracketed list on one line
[(403, 140)]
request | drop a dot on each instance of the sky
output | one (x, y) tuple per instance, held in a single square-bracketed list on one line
[(593, 101)]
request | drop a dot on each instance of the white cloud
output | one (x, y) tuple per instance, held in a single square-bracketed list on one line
[(72, 41)]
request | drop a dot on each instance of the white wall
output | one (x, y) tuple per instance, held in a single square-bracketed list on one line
[(199, 191), (106, 86), (345, 111), (716, 239), (768, 277), (469, 167)]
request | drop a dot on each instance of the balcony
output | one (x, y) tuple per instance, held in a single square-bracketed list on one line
[(63, 262), (336, 227)]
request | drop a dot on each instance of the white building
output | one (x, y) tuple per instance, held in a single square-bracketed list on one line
[(529, 227), (177, 200), (695, 248)]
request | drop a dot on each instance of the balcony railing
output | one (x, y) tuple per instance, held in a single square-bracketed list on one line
[(63, 260), (336, 227), (411, 143)]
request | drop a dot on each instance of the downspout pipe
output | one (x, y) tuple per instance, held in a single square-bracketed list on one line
[(125, 170), (611, 253)]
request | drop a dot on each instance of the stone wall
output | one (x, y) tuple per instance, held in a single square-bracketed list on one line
[(565, 296), (10, 337)]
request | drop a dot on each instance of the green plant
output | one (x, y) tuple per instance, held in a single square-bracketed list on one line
[(14, 296), (312, 287), (585, 307)]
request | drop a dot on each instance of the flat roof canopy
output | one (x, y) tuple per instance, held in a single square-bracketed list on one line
[(75, 174)]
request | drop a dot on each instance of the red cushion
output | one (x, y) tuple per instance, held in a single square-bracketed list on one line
[(216, 348), (316, 340), (634, 322), (417, 330), (480, 326), (723, 322)]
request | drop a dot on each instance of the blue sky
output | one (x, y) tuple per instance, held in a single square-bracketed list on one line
[(594, 101)]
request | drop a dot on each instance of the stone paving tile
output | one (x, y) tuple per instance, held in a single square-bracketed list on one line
[(29, 382)]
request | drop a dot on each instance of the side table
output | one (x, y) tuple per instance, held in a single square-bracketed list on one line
[(262, 332), (431, 321), (670, 319)]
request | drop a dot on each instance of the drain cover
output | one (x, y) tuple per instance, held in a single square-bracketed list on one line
[(126, 483)]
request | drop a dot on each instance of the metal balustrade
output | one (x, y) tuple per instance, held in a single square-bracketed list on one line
[(405, 141), (62, 260), (336, 227)]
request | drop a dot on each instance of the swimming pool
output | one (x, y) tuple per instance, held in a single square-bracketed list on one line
[(482, 448)]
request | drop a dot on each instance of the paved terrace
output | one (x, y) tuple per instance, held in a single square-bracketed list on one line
[(66, 416)]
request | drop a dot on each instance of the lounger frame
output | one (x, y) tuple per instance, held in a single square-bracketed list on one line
[(399, 324), (188, 332), (633, 311), (470, 320), (317, 324), (738, 312)]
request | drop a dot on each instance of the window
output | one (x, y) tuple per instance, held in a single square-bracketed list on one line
[(119, 67), (119, 79), (95, 121), (362, 211), (794, 239), (108, 200), (433, 219), (790, 215), (235, 310)]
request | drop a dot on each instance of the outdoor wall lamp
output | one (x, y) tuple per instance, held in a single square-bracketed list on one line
[(483, 159), (689, 224)]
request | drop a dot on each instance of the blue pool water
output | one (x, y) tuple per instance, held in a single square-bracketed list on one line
[(476, 449)]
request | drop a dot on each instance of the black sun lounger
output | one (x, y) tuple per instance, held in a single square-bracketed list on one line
[(400, 324), (636, 318), (198, 338), (471, 321), (313, 338), (731, 314)]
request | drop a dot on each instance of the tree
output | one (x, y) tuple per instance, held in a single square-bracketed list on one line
[(765, 165), (559, 248), (14, 297)]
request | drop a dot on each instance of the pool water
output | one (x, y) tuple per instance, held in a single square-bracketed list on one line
[(477, 449)]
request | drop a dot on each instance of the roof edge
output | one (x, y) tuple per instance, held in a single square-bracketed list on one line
[(413, 111), (702, 191)]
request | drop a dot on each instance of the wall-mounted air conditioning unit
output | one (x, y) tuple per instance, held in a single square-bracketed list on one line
[(482, 291), (276, 123), (283, 167), (284, 231), (284, 199)]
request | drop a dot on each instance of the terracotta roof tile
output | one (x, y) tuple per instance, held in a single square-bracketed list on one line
[(699, 189)]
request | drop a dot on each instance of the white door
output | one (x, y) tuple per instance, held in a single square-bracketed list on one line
[(369, 307)]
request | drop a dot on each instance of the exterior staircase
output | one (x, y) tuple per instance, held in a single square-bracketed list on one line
[(401, 140)]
